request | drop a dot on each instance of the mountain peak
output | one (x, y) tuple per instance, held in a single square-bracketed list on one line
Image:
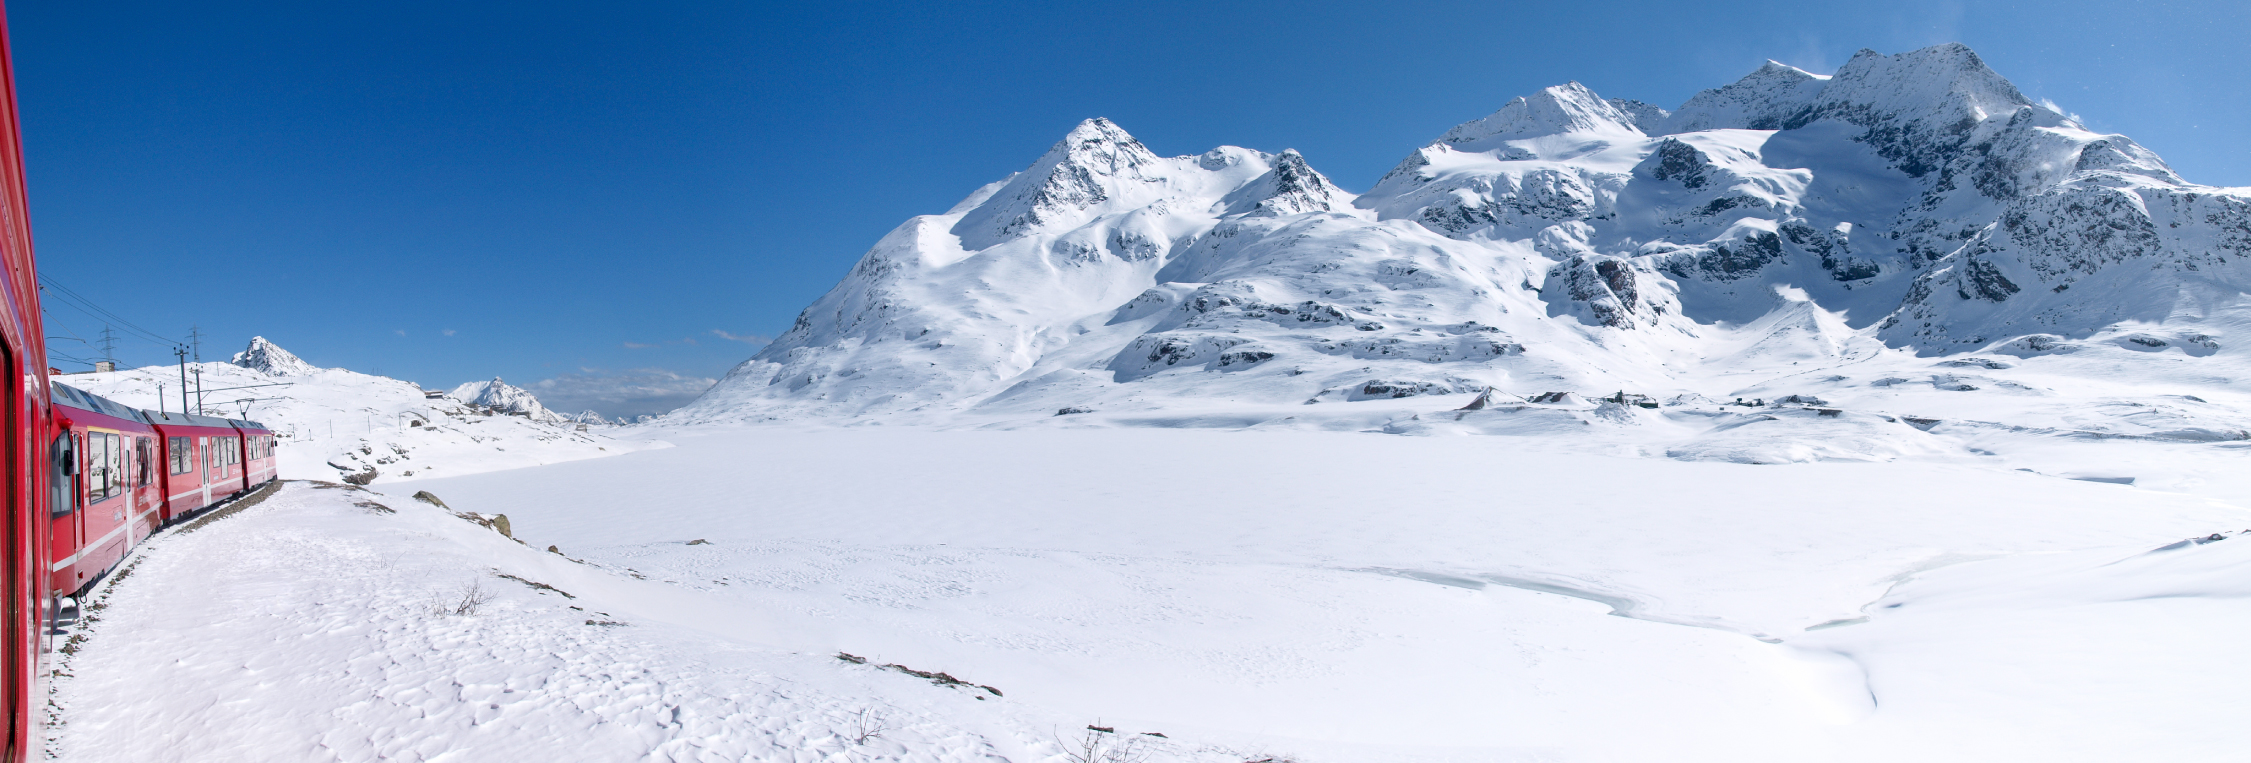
[(1760, 100), (1948, 82), (1083, 169), (1565, 108), (270, 358), (1096, 129), (1292, 187)]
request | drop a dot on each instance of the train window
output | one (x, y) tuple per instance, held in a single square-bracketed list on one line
[(144, 461), (101, 466), (61, 499), (180, 451)]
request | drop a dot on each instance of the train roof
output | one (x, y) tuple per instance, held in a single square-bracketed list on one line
[(192, 420), (64, 394), (74, 397)]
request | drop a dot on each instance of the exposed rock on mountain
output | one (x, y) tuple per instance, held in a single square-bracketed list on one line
[(266, 356)]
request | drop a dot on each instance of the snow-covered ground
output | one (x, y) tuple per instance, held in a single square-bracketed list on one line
[(1311, 595), (333, 423)]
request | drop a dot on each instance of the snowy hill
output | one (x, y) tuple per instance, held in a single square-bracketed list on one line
[(1867, 224), (507, 398), (334, 423)]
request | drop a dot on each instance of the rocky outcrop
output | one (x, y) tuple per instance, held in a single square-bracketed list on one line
[(270, 358)]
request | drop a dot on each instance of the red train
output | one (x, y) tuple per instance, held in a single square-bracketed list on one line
[(24, 559), (86, 478), (116, 474)]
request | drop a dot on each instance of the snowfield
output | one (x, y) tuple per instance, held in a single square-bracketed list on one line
[(1316, 596)]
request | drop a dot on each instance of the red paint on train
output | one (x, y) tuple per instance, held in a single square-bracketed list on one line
[(23, 521)]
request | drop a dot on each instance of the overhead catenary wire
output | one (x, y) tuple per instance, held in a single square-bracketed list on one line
[(106, 321), (94, 309)]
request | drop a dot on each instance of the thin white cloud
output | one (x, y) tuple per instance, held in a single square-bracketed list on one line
[(400, 332), (743, 338), (449, 332), (637, 346), (630, 392)]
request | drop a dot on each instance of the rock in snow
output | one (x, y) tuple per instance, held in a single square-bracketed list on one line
[(1919, 199)]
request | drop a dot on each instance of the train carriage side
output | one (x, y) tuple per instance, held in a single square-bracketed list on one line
[(24, 402), (258, 465), (198, 469), (107, 491)]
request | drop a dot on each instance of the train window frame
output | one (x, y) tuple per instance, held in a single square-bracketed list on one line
[(144, 461), (179, 453), (104, 462)]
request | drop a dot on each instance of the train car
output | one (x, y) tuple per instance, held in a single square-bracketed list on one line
[(258, 465), (23, 518), (203, 461), (108, 492)]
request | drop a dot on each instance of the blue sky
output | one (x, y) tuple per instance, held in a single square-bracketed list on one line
[(621, 199)]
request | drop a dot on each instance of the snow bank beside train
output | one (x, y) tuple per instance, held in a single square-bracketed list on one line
[(336, 424)]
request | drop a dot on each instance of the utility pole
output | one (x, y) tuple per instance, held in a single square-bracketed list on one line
[(199, 389), (195, 335), (160, 400), (109, 345), (183, 353)]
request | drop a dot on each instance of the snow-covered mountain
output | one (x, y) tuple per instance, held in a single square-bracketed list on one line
[(508, 398), (334, 423), (270, 358), (1904, 207)]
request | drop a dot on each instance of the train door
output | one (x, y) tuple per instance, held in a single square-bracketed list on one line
[(209, 470), (62, 503), (146, 497), (179, 474), (102, 516)]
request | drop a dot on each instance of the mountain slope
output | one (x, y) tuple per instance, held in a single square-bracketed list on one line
[(1908, 205)]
